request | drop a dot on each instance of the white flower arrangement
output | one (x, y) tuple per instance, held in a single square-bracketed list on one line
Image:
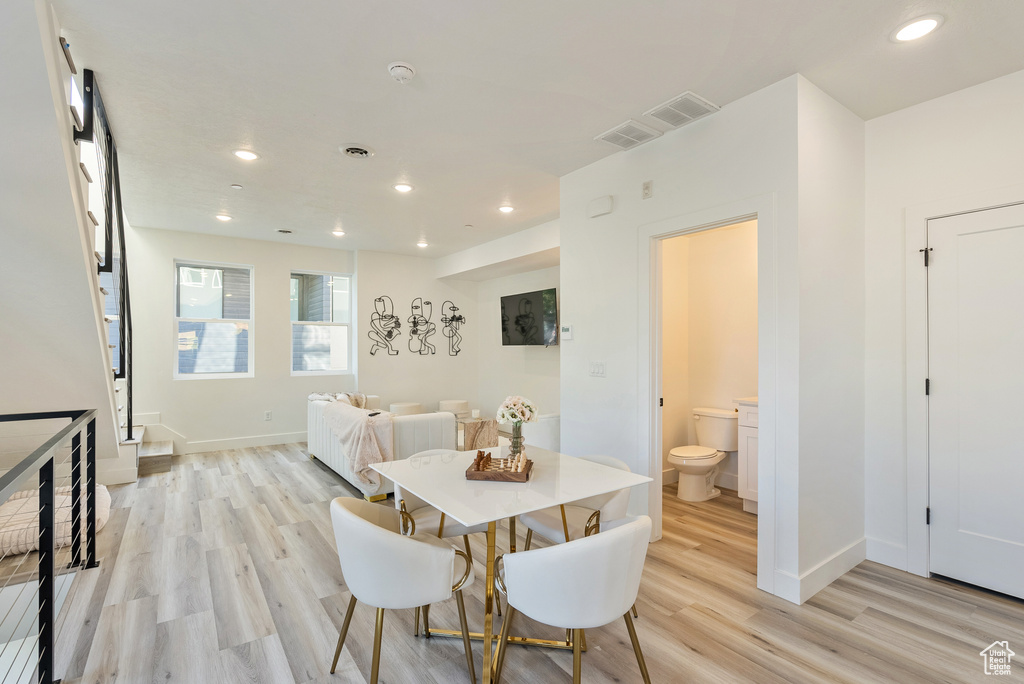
[(516, 409)]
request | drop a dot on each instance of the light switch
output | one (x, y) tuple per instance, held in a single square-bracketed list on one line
[(597, 369)]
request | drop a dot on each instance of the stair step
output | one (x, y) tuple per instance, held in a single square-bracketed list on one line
[(138, 431), (149, 449)]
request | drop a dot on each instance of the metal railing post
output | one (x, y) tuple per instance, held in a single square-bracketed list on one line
[(46, 572), (76, 500), (90, 495)]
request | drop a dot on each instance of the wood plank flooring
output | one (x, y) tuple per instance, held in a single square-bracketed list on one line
[(222, 568)]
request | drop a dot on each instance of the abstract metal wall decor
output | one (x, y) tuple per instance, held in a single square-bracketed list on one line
[(385, 326), (452, 320), (421, 327)]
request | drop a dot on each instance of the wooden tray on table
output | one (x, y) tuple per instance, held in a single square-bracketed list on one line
[(497, 469)]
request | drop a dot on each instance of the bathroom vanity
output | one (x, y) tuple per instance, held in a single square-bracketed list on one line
[(747, 452)]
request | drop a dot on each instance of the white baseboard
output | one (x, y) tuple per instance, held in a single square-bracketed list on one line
[(799, 589), (243, 442), (729, 481), (887, 553), (669, 475)]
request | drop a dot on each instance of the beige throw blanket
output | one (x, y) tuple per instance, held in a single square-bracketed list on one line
[(364, 440), (19, 518)]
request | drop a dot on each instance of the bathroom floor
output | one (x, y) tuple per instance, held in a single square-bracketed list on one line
[(720, 527)]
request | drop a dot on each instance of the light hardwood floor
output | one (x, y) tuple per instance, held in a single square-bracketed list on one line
[(223, 569)]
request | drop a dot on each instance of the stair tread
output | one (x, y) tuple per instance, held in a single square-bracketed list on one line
[(137, 433), (164, 448)]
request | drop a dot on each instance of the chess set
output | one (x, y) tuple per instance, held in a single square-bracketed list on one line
[(484, 467)]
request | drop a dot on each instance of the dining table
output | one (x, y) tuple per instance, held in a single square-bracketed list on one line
[(438, 477)]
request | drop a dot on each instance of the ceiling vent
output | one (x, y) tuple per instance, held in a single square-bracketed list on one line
[(681, 110), (628, 135)]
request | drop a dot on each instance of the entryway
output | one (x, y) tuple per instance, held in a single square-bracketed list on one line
[(975, 399)]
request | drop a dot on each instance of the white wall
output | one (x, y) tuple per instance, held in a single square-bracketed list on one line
[(47, 274), (831, 248), (675, 350), (407, 376), (968, 142), (530, 371), (224, 413), (747, 150), (714, 329)]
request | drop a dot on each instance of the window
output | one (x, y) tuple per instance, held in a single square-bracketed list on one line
[(321, 312), (213, 320)]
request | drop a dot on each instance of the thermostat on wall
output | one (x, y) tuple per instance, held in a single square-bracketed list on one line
[(565, 331)]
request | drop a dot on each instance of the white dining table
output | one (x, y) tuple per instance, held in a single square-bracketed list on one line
[(439, 478)]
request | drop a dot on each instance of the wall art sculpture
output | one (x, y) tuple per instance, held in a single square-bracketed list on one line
[(421, 327), (385, 326), (452, 320)]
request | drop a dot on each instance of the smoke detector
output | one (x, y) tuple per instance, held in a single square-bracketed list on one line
[(628, 134), (356, 151), (401, 72)]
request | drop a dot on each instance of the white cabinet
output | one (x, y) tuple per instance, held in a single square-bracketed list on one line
[(748, 453)]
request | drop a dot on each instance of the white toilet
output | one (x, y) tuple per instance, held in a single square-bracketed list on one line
[(698, 465)]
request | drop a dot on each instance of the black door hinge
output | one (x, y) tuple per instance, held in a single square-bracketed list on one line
[(661, 401), (928, 516), (925, 250), (927, 387)]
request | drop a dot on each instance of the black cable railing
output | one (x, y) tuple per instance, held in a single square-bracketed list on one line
[(33, 505), (114, 264)]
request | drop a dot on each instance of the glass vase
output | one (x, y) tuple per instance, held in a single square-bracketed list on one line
[(516, 447)]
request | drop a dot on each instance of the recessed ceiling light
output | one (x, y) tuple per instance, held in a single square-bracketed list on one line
[(421, 243), (337, 232), (356, 151), (468, 225), (236, 186), (403, 187), (247, 155), (284, 231), (506, 209), (223, 217), (917, 28)]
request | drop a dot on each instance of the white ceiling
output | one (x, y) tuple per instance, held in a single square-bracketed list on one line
[(507, 98)]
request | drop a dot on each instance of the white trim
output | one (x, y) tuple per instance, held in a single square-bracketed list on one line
[(916, 232), (761, 207), (799, 589), (887, 553), (245, 442), (348, 370)]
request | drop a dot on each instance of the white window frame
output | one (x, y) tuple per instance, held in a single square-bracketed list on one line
[(251, 373), (349, 325)]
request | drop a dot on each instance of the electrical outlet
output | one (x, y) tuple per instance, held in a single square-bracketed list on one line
[(648, 190), (268, 415)]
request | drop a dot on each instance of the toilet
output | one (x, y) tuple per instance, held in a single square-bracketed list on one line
[(698, 464)]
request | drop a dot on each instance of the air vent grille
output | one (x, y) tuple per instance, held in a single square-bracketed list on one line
[(628, 135), (682, 110)]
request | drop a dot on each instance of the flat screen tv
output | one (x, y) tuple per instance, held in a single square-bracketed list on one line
[(530, 318)]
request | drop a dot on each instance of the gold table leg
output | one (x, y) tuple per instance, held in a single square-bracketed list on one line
[(487, 674), (565, 525)]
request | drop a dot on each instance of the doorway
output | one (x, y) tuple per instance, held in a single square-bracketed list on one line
[(975, 287), (708, 403)]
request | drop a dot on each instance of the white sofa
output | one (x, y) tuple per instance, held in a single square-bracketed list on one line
[(412, 434)]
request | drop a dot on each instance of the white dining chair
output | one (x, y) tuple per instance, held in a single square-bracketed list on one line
[(387, 570), (577, 585), (419, 517), (581, 517)]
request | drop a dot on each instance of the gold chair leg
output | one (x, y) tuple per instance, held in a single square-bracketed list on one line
[(512, 535), (583, 640), (636, 648), (577, 657), (565, 525), (469, 551), (635, 614), (426, 621), (568, 637), (344, 632), (529, 538), (503, 644), (416, 623), (375, 667), (465, 636)]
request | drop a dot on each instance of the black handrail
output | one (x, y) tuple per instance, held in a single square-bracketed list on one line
[(41, 461), (95, 121)]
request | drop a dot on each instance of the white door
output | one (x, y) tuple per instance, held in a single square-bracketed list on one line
[(976, 401)]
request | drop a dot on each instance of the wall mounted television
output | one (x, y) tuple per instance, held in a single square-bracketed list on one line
[(530, 318)]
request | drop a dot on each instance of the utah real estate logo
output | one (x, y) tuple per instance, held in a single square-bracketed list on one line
[(997, 658)]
